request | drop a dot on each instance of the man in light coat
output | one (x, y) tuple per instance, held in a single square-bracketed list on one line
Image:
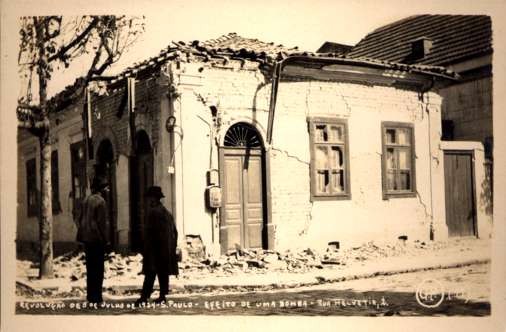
[(160, 243), (93, 232)]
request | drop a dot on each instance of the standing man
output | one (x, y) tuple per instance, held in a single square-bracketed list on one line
[(93, 232), (160, 242)]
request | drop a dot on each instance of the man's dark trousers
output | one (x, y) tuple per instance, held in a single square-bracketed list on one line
[(94, 271), (149, 281)]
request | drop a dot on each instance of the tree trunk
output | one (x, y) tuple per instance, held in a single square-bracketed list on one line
[(46, 210)]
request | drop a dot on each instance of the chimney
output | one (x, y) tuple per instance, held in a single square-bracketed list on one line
[(420, 47)]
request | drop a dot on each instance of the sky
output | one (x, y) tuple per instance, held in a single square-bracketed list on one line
[(306, 24)]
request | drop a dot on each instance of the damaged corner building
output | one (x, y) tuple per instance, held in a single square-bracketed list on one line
[(257, 146)]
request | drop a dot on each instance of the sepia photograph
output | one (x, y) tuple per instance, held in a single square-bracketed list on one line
[(241, 160)]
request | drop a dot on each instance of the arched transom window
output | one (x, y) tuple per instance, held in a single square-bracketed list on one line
[(242, 135)]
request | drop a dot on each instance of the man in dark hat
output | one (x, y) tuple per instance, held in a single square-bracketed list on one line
[(93, 232), (160, 242)]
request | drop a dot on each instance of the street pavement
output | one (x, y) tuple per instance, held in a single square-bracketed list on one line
[(462, 291)]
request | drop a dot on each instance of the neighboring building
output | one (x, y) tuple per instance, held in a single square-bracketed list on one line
[(334, 48), (68, 163), (461, 43), (260, 146)]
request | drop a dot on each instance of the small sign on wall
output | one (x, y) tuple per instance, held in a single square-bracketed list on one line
[(213, 197), (213, 177)]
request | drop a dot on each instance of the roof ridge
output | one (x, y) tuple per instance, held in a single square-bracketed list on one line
[(408, 34), (413, 17), (389, 25), (393, 41)]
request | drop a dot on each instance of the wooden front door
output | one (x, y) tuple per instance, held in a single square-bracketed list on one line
[(243, 199), (145, 180), (141, 179), (459, 193)]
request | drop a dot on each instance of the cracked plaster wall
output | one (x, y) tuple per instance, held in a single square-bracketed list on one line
[(243, 95), (366, 216)]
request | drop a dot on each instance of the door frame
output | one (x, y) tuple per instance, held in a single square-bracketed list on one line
[(473, 189), (135, 240), (266, 230)]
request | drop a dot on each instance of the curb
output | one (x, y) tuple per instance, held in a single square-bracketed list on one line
[(323, 280)]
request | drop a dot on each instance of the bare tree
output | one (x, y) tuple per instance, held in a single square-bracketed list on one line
[(48, 45)]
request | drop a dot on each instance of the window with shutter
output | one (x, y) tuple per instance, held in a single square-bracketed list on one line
[(78, 170)]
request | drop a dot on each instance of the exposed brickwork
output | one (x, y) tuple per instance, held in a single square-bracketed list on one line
[(114, 114), (109, 107)]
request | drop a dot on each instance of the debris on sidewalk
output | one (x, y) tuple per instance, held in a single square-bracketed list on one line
[(71, 266)]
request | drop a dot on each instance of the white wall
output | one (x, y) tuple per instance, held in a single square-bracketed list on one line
[(366, 216), (243, 95)]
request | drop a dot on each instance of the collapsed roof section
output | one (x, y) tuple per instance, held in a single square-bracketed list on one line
[(234, 47)]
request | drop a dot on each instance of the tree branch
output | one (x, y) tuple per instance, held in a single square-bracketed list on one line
[(75, 41), (74, 93), (102, 78), (106, 45), (96, 59), (107, 51), (107, 62), (103, 67)]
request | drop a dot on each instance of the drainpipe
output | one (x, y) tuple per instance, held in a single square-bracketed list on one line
[(88, 133), (423, 92), (177, 161), (276, 76), (211, 138), (132, 159), (131, 111)]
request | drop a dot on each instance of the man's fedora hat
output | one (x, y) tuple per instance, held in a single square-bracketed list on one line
[(154, 191)]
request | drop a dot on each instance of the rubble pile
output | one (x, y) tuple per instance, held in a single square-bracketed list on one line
[(72, 267), (121, 265), (252, 261)]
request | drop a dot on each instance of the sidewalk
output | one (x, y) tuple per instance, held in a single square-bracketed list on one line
[(406, 258)]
